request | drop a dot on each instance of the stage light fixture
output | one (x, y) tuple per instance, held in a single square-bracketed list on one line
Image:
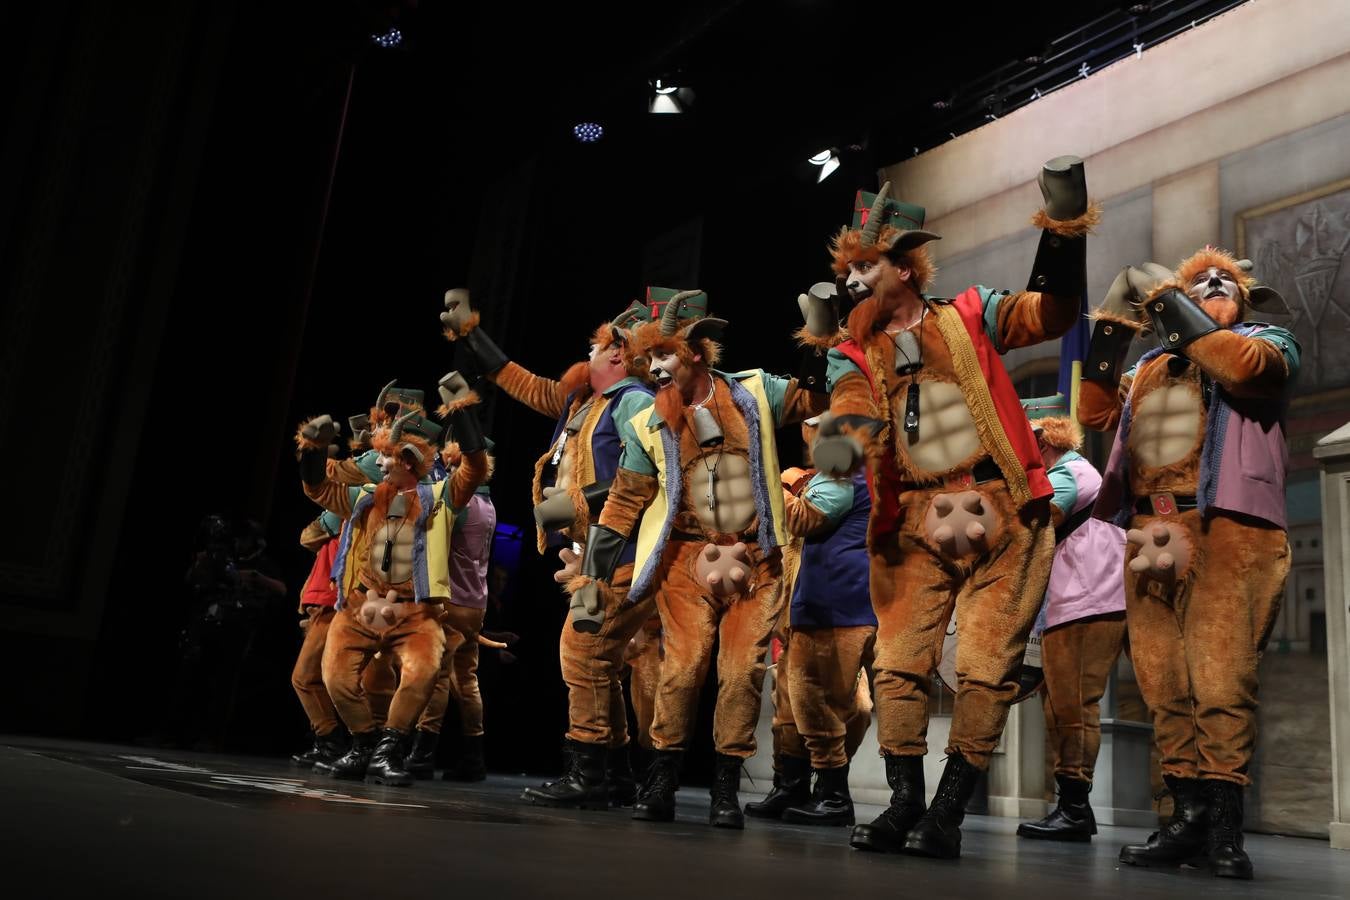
[(828, 161), (668, 98), (389, 40), (588, 132)]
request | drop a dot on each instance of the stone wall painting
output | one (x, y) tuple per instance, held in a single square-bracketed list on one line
[(1301, 247)]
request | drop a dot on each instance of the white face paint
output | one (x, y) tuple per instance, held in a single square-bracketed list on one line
[(1217, 292), (863, 276), (665, 368), (1213, 284)]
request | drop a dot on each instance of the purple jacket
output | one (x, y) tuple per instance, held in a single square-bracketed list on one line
[(469, 552), (1085, 578), (1244, 455)]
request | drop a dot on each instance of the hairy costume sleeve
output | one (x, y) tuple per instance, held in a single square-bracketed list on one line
[(470, 474), (543, 395), (1026, 317), (1100, 404), (790, 402), (356, 470), (1259, 366), (851, 399), (628, 497), (824, 503), (333, 496)]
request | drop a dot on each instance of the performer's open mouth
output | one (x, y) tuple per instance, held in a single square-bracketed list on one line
[(663, 379), (860, 293), (1216, 294)]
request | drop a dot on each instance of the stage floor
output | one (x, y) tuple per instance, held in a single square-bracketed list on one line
[(119, 821)]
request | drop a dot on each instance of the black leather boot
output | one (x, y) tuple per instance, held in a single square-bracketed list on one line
[(1182, 838), (1223, 844), (724, 809), (421, 760), (583, 784), (353, 763), (791, 787), (938, 833), (622, 782), (469, 765), (886, 833), (386, 763), (326, 748), (830, 802), (656, 797), (1071, 820)]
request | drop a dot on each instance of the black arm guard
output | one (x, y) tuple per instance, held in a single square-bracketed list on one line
[(1178, 320), (484, 351), (596, 494), (466, 431), (1106, 353), (603, 548), (1060, 267), (811, 370), (314, 466)]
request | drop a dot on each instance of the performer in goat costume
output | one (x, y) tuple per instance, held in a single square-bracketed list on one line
[(1197, 475), (700, 469), (571, 479), (960, 511)]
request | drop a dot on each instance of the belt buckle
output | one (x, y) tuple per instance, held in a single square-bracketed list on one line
[(962, 481), (1164, 503)]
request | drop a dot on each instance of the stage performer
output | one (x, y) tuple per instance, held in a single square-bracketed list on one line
[(571, 479), (1084, 612), (700, 469), (960, 513), (826, 707), (392, 572), (1197, 475)]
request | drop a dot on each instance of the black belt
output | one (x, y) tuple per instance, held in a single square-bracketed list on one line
[(1144, 505), (984, 470)]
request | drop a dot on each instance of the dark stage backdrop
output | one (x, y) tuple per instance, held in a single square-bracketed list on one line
[(217, 220)]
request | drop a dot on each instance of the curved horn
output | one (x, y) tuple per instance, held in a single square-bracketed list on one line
[(397, 431), (625, 318), (670, 316), (872, 228), (384, 392)]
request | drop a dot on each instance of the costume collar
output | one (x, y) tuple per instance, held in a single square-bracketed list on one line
[(622, 383)]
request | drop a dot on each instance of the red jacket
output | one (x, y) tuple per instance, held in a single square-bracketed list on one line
[(319, 589), (1010, 414)]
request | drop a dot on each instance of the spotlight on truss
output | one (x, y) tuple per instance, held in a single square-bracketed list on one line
[(588, 132), (828, 161), (669, 98), (389, 40)]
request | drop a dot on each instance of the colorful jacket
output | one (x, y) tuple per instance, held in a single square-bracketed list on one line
[(431, 543), (1085, 578), (653, 449), (474, 527), (968, 325), (832, 589), (1244, 455)]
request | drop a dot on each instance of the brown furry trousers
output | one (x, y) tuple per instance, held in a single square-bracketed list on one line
[(418, 642), (458, 676), (1196, 648), (644, 664), (822, 701), (307, 677), (915, 589), (593, 666), (691, 620), (1078, 657)]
